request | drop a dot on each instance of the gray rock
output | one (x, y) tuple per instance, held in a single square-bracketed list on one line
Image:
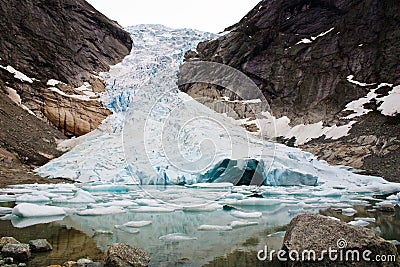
[(319, 233), (5, 240), (122, 255), (22, 264), (8, 260), (40, 245), (20, 252), (387, 208)]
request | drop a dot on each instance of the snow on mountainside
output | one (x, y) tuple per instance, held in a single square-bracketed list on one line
[(161, 135)]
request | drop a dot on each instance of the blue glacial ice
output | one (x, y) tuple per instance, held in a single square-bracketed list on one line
[(141, 144)]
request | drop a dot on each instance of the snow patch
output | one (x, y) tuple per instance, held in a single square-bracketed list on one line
[(312, 38), (17, 74), (27, 210), (391, 103)]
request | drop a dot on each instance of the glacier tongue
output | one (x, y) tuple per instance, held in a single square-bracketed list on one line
[(159, 135)]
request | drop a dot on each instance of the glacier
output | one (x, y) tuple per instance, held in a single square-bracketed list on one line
[(159, 135), (167, 174)]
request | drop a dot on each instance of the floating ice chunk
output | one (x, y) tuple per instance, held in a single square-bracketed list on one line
[(247, 215), (392, 197), (349, 212), (101, 211), (27, 210), (83, 197), (103, 232), (368, 219), (206, 227), (80, 197), (176, 237), (237, 224), (212, 185), (152, 209), (258, 202), (126, 229), (18, 222), (277, 234), (209, 207), (5, 210), (137, 224), (7, 198), (148, 202), (238, 196), (359, 223), (112, 188), (328, 193), (121, 203)]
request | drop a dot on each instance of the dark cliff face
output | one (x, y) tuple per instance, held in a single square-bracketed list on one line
[(65, 40), (305, 78), (300, 53)]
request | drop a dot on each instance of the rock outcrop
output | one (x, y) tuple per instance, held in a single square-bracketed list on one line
[(318, 233), (50, 55), (310, 58), (121, 255)]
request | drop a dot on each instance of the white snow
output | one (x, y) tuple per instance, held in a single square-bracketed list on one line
[(17, 74), (53, 82), (312, 38), (350, 79), (27, 210), (391, 103)]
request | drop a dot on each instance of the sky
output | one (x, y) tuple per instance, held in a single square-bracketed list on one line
[(206, 15)]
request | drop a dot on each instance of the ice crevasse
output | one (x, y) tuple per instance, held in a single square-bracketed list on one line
[(160, 135)]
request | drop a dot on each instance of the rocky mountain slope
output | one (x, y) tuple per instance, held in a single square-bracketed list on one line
[(50, 55), (330, 70)]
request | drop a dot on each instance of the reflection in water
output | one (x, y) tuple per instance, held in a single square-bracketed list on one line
[(68, 244)]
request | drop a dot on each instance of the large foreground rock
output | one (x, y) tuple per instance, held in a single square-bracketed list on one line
[(122, 255), (19, 252), (318, 233)]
